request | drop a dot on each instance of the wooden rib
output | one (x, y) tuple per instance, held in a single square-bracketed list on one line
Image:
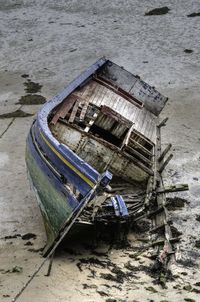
[(74, 111), (139, 163), (63, 109), (140, 146), (84, 110), (138, 154)]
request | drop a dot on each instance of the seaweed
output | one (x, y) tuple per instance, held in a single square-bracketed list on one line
[(192, 15), (158, 11), (25, 75), (32, 99), (175, 203), (197, 244), (14, 114), (188, 50), (29, 236), (32, 87), (11, 236)]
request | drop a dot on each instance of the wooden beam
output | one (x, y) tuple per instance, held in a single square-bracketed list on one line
[(130, 98), (173, 188), (164, 152), (163, 123), (141, 147), (63, 109), (161, 242), (162, 167), (138, 154), (138, 163)]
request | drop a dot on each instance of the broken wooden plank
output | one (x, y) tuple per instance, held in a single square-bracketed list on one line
[(127, 137), (74, 111), (85, 103), (63, 109), (50, 265), (159, 227), (163, 123), (164, 164), (173, 188), (157, 211), (161, 242)]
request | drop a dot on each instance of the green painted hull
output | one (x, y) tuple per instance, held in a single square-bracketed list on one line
[(53, 204)]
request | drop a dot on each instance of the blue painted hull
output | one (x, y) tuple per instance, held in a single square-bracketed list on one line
[(52, 166)]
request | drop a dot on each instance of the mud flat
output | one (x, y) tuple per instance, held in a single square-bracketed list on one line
[(51, 43)]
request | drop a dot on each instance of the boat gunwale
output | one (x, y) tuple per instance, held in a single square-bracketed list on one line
[(43, 114)]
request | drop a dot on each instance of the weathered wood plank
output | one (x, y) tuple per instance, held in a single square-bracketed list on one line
[(74, 111), (164, 164), (173, 188), (63, 109), (163, 123), (164, 152), (143, 158)]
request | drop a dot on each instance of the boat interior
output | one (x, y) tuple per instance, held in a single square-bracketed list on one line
[(110, 122), (114, 122)]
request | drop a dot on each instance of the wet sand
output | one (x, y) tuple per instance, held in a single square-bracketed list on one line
[(52, 43)]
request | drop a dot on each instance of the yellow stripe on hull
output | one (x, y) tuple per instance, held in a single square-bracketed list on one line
[(67, 163)]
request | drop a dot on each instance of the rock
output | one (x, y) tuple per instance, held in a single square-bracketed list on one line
[(28, 236), (151, 289), (195, 290), (102, 293), (197, 244), (177, 286), (28, 243), (194, 15), (198, 218), (187, 287), (130, 266), (25, 75), (188, 50)]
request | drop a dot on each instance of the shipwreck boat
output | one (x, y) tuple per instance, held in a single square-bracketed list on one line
[(91, 150)]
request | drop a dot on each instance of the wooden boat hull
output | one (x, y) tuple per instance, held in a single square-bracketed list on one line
[(55, 202), (62, 177)]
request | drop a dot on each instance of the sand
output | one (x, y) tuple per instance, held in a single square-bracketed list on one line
[(53, 42)]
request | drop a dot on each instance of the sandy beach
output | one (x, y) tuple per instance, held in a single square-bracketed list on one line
[(50, 43)]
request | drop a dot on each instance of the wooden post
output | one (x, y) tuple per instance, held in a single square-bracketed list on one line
[(162, 155), (50, 265), (162, 167), (163, 123)]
